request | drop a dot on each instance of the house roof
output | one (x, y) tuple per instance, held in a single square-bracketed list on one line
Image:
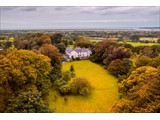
[(78, 50), (69, 50)]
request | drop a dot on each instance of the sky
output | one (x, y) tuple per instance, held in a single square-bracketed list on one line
[(76, 17)]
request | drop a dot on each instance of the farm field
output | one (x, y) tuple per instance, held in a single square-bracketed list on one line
[(99, 40), (140, 44), (94, 40), (103, 97), (149, 38)]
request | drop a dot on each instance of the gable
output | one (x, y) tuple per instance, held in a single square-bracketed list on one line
[(73, 52)]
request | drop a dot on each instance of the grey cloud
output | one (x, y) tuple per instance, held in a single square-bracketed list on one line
[(29, 9), (60, 8), (120, 10), (49, 16), (154, 13), (105, 7), (8, 7), (130, 10), (86, 12)]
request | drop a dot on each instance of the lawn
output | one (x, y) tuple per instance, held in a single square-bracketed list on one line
[(103, 97), (141, 44)]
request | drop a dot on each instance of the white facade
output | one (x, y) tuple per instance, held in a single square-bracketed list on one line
[(73, 54), (81, 53)]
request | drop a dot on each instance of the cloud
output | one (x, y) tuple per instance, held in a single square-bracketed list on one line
[(105, 8), (130, 11), (29, 9), (7, 8), (79, 16), (60, 8)]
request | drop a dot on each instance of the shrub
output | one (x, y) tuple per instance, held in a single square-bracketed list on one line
[(66, 76), (60, 82), (81, 86), (65, 89), (73, 74)]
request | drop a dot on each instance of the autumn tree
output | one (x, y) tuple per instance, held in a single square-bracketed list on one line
[(53, 53), (140, 91), (22, 70), (32, 41), (113, 53), (147, 61), (147, 51), (83, 42), (81, 86), (120, 67), (44, 39), (100, 49), (142, 61)]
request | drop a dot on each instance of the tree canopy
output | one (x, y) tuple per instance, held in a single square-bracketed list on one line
[(21, 71), (140, 91)]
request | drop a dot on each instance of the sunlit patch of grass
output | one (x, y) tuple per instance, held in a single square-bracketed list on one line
[(94, 40), (103, 97), (140, 44)]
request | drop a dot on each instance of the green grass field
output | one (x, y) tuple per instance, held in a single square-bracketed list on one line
[(140, 44), (149, 38), (93, 40), (103, 97)]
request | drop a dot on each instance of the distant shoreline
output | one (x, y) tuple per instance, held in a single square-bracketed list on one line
[(89, 29)]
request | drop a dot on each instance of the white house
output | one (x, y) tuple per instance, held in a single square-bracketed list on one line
[(78, 52)]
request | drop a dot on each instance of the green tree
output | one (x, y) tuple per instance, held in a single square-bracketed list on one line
[(65, 89), (28, 102), (61, 47), (72, 68), (56, 38), (134, 38)]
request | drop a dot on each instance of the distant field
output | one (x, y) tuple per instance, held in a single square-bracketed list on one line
[(99, 40), (94, 40), (11, 39), (101, 100), (149, 38), (141, 44)]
